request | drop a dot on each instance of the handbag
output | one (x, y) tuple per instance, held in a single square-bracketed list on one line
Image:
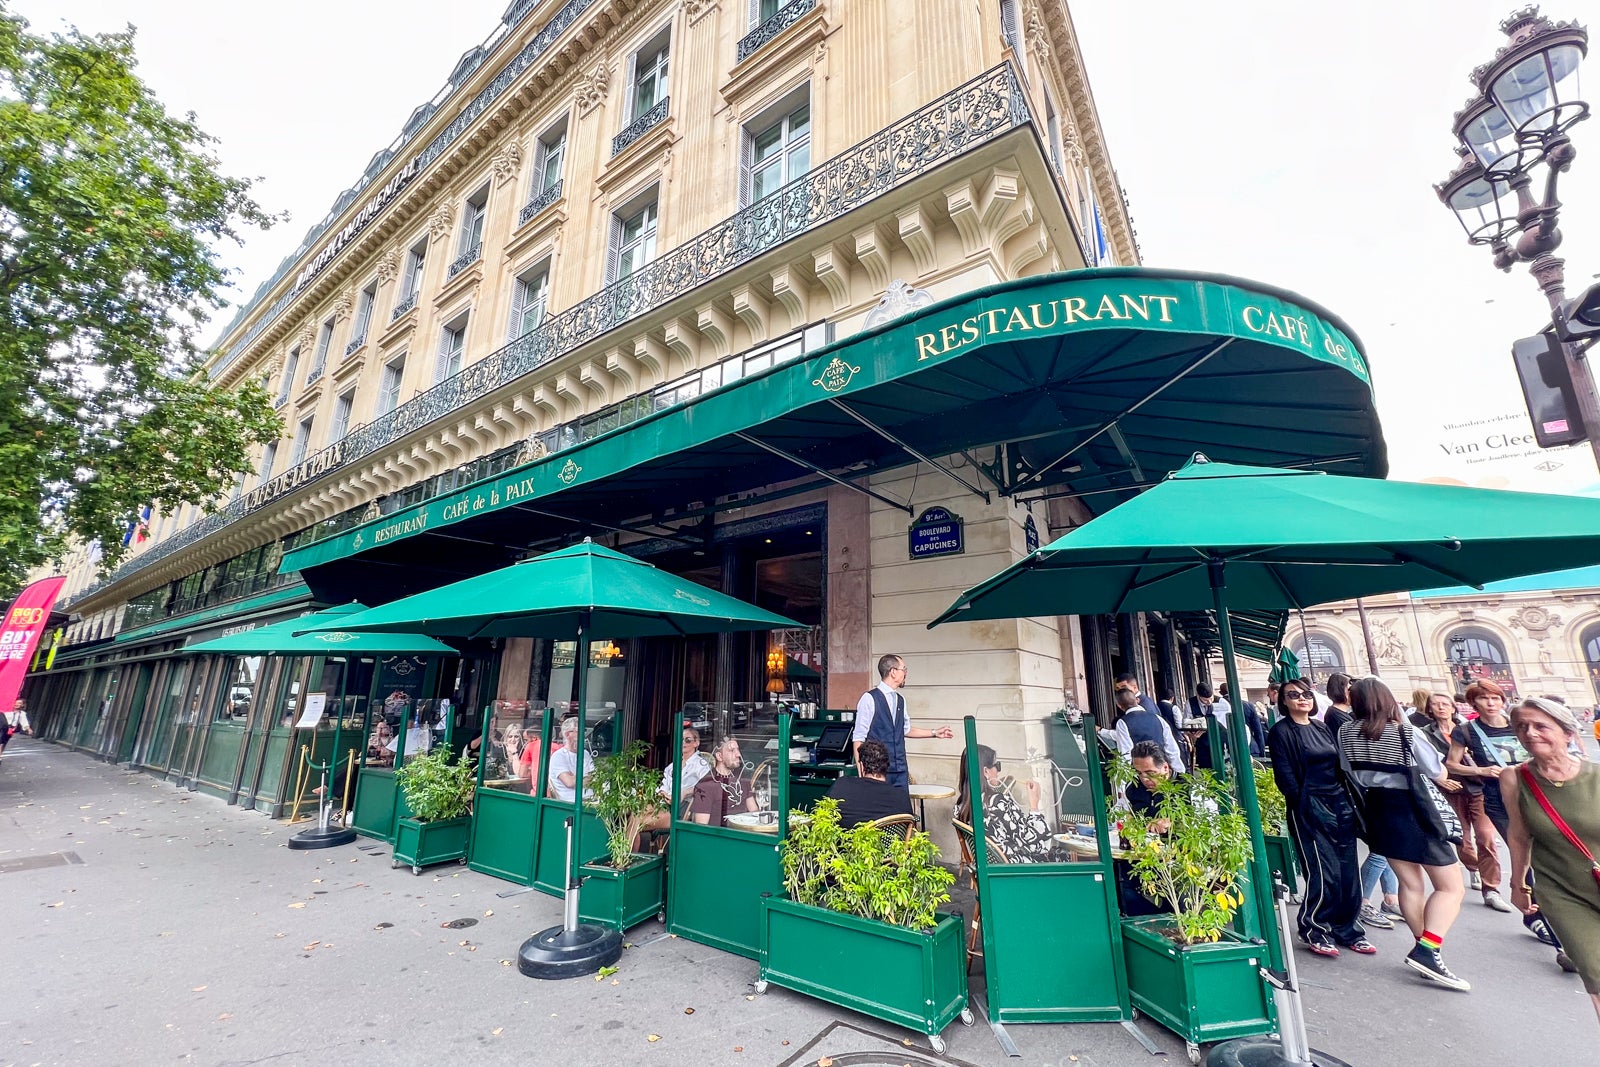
[(1354, 791), (1561, 824), (1433, 810)]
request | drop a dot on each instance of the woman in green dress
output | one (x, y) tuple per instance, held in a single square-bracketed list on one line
[(1569, 895)]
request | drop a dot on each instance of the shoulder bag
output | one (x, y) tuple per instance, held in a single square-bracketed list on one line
[(1433, 810), (1561, 824), (1353, 790)]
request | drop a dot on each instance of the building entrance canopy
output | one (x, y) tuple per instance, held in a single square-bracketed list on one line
[(1093, 382)]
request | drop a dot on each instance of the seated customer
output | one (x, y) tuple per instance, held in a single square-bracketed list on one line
[(564, 765), (1023, 837), (1151, 767), (723, 791), (695, 767), (870, 797)]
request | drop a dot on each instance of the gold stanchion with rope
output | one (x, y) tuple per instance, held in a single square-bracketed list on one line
[(300, 776), (349, 780)]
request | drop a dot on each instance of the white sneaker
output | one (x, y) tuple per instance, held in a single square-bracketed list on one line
[(1492, 899), (1473, 881)]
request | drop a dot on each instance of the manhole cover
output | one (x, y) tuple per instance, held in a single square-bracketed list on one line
[(459, 924), (33, 863)]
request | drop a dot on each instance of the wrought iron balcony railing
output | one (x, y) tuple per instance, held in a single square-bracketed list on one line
[(539, 203), (640, 126), (466, 259), (972, 115), (355, 344), (782, 19), (404, 306)]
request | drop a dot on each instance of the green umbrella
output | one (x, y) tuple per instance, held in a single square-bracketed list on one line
[(570, 594), (1217, 534), (1286, 669), (296, 637)]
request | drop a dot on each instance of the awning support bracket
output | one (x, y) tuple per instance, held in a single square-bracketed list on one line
[(914, 453), (797, 461), (694, 542)]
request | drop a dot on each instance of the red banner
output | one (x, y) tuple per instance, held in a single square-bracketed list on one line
[(24, 624)]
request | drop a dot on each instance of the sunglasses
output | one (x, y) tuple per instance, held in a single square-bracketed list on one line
[(1298, 694)]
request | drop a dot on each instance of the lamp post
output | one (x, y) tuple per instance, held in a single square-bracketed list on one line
[(1459, 659), (1514, 129)]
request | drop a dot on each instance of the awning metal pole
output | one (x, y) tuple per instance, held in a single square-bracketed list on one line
[(797, 461), (892, 439)]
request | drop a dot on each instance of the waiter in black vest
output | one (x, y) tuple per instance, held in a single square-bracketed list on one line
[(881, 717)]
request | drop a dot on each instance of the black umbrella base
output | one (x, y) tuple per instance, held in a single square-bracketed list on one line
[(317, 837), (1261, 1052), (559, 953)]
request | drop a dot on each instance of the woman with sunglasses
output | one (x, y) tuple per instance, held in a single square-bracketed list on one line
[(1305, 764), (1024, 837)]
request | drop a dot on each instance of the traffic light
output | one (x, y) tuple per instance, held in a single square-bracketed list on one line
[(1547, 388), (1580, 317)]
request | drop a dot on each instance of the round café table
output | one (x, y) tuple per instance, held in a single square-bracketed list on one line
[(921, 794)]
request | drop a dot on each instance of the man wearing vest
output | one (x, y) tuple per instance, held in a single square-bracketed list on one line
[(1136, 723), (881, 717)]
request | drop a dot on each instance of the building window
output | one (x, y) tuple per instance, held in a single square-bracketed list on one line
[(548, 159), (1011, 25), (411, 279), (470, 246), (291, 365), (1319, 654), (358, 329), (650, 73), (302, 441), (1475, 655), (342, 407), (452, 341), (528, 296), (633, 238), (1053, 129), (1591, 656), (389, 388), (269, 459), (762, 10), (777, 148), (319, 358)]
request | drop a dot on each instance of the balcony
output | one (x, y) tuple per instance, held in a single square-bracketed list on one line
[(355, 344), (465, 260), (965, 119), (314, 375), (404, 306), (786, 16), (640, 126), (539, 203), (282, 399)]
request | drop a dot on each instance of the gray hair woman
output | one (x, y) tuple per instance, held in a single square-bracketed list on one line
[(1555, 779)]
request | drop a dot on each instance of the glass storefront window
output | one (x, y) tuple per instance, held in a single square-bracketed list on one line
[(1029, 774), (513, 737), (235, 704), (740, 788)]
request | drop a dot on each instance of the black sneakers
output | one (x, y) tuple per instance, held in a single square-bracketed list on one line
[(1428, 963), (1539, 927)]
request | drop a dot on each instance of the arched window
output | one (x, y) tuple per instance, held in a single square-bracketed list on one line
[(1475, 653), (1325, 655), (1591, 655)]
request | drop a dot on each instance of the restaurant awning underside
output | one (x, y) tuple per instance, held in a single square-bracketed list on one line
[(1092, 383)]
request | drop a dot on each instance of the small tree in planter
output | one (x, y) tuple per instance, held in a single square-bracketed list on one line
[(630, 888), (439, 796), (1187, 970), (861, 927)]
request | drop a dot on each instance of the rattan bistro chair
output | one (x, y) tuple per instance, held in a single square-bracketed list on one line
[(969, 859), (902, 826)]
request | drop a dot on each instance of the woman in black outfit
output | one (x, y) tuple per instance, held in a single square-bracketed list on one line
[(1305, 763)]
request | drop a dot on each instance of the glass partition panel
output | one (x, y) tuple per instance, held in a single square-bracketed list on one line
[(427, 725), (235, 706), (740, 789), (513, 735), (1032, 783)]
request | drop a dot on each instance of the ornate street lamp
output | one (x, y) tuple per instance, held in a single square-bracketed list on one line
[(1528, 98)]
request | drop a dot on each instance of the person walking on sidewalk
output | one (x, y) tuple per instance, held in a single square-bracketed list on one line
[(1553, 803), (1479, 750), (1465, 794), (1305, 764), (1379, 752)]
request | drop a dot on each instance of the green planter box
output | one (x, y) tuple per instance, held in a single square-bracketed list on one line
[(1282, 859), (1202, 992), (620, 899), (915, 979), (422, 844)]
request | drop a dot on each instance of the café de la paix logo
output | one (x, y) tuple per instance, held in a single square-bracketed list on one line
[(836, 375)]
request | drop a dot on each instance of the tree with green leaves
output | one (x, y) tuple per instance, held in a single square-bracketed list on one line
[(111, 211)]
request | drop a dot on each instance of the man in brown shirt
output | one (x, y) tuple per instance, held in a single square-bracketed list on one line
[(724, 790)]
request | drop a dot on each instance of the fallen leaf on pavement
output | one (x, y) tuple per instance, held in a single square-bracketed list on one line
[(505, 963), (316, 881), (313, 945), (225, 1016), (607, 972), (57, 904), (298, 904), (653, 1037), (616, 981), (198, 989), (786, 1041), (688, 1011), (497, 1031), (488, 913), (738, 1048), (826, 1061)]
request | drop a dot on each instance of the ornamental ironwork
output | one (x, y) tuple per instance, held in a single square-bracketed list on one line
[(539, 203), (962, 120), (466, 259), (404, 306), (313, 376), (640, 126), (782, 19), (355, 345)]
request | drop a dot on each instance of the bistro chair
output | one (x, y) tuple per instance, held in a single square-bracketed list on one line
[(969, 853), (761, 778), (901, 826)]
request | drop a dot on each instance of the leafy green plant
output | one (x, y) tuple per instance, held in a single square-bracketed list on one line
[(1188, 854), (624, 797), (435, 788), (864, 871), (1271, 803)]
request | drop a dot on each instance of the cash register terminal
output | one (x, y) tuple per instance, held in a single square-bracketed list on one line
[(834, 744)]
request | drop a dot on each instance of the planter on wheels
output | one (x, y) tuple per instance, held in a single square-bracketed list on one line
[(913, 978), (422, 844), (625, 898), (1200, 992)]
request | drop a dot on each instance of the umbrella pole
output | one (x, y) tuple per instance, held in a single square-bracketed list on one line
[(325, 834), (580, 688)]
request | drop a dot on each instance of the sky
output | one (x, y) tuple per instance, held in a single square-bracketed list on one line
[(1295, 144)]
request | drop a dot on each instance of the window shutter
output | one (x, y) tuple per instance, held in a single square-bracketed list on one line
[(540, 151), (1010, 25), (519, 301), (614, 251), (755, 14), (747, 151)]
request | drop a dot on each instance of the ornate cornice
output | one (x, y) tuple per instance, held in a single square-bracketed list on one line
[(506, 163)]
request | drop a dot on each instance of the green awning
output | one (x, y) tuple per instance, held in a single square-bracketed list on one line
[(1256, 634), (195, 619), (282, 639), (1124, 371)]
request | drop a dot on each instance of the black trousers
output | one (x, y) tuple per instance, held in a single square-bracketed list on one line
[(1324, 828)]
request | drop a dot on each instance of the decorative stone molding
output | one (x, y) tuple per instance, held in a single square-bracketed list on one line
[(592, 88), (442, 221), (388, 266), (698, 9), (372, 512), (1536, 620), (1037, 34), (898, 299), (342, 305), (1387, 644), (819, 55), (506, 163)]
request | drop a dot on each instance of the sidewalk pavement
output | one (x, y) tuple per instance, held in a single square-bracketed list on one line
[(152, 925)]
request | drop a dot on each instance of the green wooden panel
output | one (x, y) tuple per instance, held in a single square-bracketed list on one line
[(274, 789), (504, 828), (221, 760), (423, 844), (377, 794), (1037, 917), (1202, 992), (716, 878), (623, 899), (908, 977), (550, 849)]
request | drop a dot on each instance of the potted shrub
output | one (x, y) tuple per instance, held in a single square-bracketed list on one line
[(438, 794), (861, 926), (1187, 969), (627, 887), (1274, 810)]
